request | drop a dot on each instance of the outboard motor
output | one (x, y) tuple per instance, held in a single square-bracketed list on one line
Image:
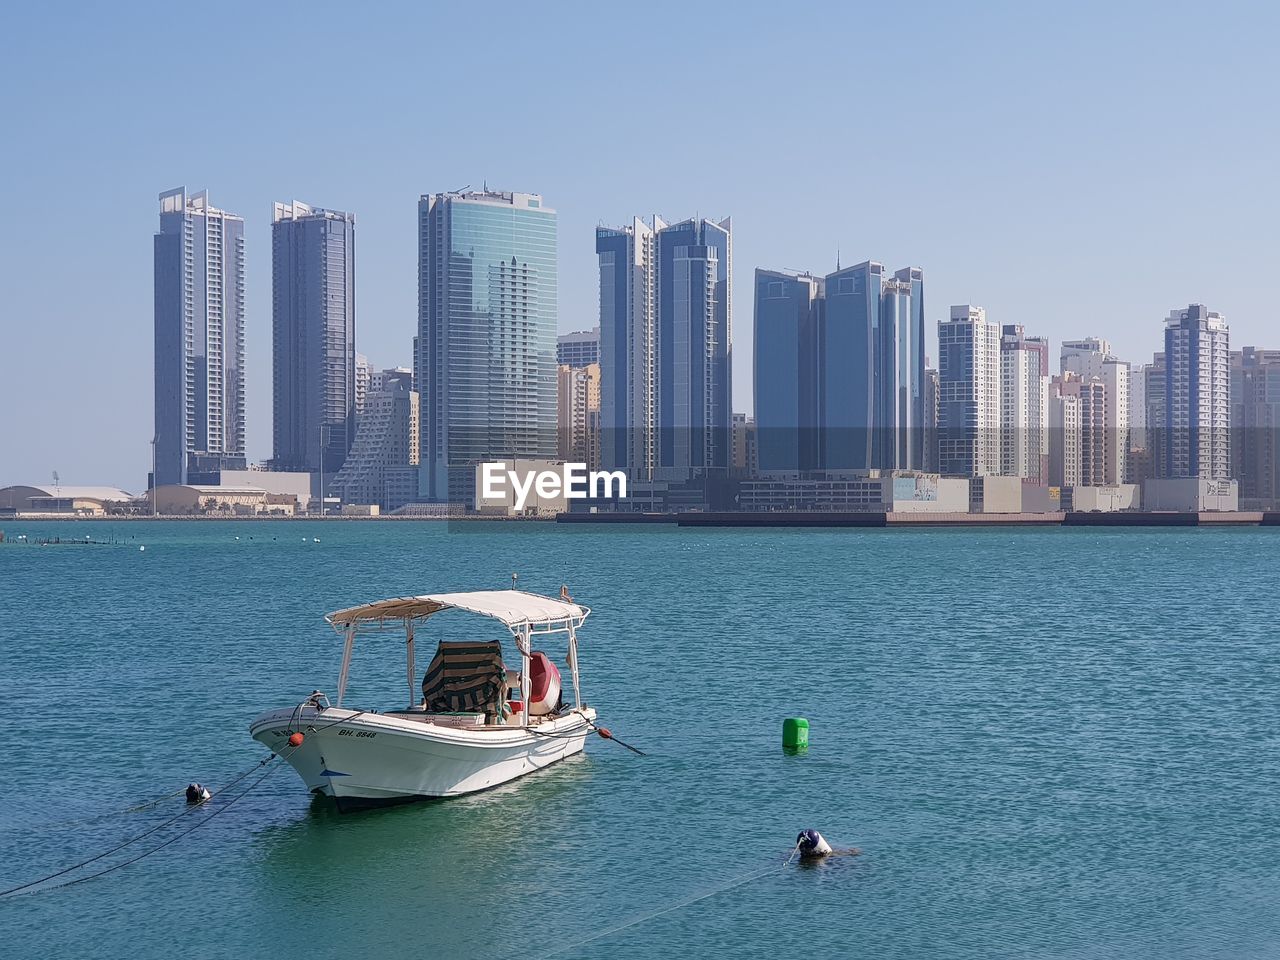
[(197, 793), (812, 844)]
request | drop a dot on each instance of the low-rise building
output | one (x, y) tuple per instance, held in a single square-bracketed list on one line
[(1191, 494), (1105, 498), (62, 500), (182, 499), (873, 491)]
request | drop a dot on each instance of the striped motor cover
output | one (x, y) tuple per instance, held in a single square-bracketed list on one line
[(465, 677)]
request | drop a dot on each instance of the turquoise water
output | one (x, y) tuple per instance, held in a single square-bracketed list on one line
[(1048, 743)]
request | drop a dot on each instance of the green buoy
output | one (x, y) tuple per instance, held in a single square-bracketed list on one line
[(795, 733)]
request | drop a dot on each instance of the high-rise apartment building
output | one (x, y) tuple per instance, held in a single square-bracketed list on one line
[(968, 393), (199, 339), (1091, 358), (1024, 399), (313, 310), (1255, 426), (382, 467), (578, 414), (1064, 434), (1079, 436), (666, 328), (1197, 394), (578, 349), (486, 348)]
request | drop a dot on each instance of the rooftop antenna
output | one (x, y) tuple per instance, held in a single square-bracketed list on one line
[(837, 259), (56, 487)]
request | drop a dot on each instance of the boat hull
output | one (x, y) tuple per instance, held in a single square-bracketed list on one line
[(366, 759)]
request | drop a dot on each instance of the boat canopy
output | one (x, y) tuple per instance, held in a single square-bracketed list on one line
[(514, 608)]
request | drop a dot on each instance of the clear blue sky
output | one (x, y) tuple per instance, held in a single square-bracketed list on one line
[(1078, 168)]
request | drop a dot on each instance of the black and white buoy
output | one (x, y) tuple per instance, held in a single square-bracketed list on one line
[(197, 793), (812, 845)]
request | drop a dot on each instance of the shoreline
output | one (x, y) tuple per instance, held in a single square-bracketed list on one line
[(798, 519)]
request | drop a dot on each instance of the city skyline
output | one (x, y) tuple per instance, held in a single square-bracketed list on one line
[(1018, 177), (302, 294)]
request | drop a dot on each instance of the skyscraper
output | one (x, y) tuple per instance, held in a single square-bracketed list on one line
[(694, 332), (839, 368), (1078, 449), (199, 339), (1092, 358), (871, 406), (486, 351), (313, 312), (1197, 394), (968, 393), (627, 322), (788, 315), (1064, 433), (1255, 425), (1024, 392), (666, 329)]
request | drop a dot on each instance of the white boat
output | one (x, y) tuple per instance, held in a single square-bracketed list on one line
[(464, 730)]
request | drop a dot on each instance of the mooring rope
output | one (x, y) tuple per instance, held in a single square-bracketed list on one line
[(288, 752), (105, 815), (132, 840), (604, 732), (174, 839), (736, 882)]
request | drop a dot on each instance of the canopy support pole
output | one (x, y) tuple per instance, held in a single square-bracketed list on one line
[(526, 682), (573, 665), (346, 661), (412, 670)]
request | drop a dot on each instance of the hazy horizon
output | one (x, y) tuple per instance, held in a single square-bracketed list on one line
[(1079, 170)]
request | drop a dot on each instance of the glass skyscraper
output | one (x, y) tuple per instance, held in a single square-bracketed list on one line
[(871, 409), (788, 317), (665, 344), (313, 309), (199, 339), (627, 312), (840, 362), (692, 400), (486, 349)]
